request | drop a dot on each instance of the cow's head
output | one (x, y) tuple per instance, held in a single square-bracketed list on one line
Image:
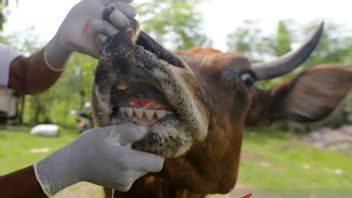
[(200, 100), (134, 85)]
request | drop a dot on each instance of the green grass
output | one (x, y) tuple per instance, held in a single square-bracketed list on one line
[(16, 147), (270, 160), (281, 160)]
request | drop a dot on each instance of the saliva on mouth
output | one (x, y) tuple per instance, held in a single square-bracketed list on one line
[(138, 102)]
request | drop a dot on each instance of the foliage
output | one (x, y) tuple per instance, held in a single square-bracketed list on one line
[(174, 23), (67, 96), (3, 4), (251, 41), (283, 39), (334, 46), (245, 40)]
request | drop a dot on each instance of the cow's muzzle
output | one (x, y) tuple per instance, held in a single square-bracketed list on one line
[(132, 84)]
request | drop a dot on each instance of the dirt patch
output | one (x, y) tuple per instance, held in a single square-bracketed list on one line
[(255, 157), (251, 156)]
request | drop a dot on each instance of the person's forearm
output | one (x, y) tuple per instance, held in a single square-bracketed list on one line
[(31, 75), (21, 183)]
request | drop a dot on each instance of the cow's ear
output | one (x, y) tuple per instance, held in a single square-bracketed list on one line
[(310, 96)]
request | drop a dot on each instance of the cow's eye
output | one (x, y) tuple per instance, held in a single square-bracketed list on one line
[(248, 77)]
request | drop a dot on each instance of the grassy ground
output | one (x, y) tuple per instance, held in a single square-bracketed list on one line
[(19, 149), (270, 160), (281, 160)]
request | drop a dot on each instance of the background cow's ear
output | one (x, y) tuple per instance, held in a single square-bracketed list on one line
[(310, 96)]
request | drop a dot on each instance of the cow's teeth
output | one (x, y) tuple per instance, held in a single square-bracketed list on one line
[(139, 113), (160, 114), (149, 114), (129, 112)]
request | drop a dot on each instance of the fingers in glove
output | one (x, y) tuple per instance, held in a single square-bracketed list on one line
[(143, 161), (127, 133), (101, 27), (107, 2), (129, 178), (122, 188), (119, 20), (92, 50), (126, 9)]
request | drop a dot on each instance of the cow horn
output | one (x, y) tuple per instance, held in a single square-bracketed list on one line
[(289, 61), (151, 45)]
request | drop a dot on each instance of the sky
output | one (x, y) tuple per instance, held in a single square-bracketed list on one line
[(220, 16)]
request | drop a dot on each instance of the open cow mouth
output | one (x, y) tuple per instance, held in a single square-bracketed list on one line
[(132, 84), (140, 103)]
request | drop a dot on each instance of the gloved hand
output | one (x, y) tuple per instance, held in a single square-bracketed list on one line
[(78, 31), (102, 156)]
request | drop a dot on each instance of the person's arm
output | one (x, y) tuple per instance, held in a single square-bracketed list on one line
[(102, 156), (78, 32), (31, 75), (21, 183)]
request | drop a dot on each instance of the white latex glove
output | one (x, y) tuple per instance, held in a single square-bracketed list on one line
[(79, 30), (102, 156)]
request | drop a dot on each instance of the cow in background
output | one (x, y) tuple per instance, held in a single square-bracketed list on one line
[(197, 103)]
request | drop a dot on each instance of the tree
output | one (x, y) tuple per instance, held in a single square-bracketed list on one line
[(3, 4), (27, 42), (250, 41), (334, 47), (283, 39), (245, 39), (69, 93), (174, 23)]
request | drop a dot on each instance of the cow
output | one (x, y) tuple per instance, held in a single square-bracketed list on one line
[(196, 104)]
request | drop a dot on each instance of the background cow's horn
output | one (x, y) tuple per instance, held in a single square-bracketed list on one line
[(289, 61)]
